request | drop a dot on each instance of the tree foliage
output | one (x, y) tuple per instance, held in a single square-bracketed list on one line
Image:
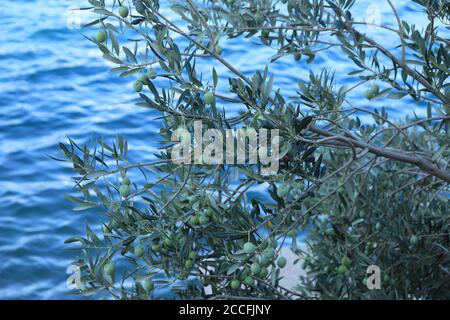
[(365, 192)]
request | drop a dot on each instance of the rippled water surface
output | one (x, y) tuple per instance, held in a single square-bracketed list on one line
[(54, 84)]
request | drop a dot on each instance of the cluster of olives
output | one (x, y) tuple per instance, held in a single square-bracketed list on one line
[(259, 267), (345, 265), (125, 188), (150, 75), (202, 218)]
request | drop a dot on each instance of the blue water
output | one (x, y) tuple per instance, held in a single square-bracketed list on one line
[(54, 84)]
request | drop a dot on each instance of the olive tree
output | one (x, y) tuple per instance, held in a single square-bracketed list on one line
[(365, 192)]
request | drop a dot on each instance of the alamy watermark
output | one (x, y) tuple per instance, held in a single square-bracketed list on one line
[(374, 277), (229, 146), (73, 281)]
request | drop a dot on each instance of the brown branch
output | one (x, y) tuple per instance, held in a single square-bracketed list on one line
[(421, 162)]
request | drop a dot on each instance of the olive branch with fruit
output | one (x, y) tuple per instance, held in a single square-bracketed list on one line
[(364, 193)]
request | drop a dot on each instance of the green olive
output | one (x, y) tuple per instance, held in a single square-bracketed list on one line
[(194, 220), (188, 264), (152, 73), (139, 251), (264, 273), (414, 240), (203, 219), (269, 253), (245, 273), (249, 281), (125, 190), (282, 191), (342, 269), (219, 50), (168, 242), (346, 261), (249, 248), (156, 247), (292, 234), (281, 262), (126, 181), (124, 11), (101, 36), (209, 97), (137, 86), (235, 284), (255, 268), (265, 261), (143, 78)]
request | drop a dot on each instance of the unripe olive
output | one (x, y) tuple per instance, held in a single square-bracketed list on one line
[(209, 97), (124, 11), (126, 181), (255, 268), (219, 50), (265, 261), (235, 284), (143, 78), (137, 86), (245, 273), (292, 234), (156, 247), (346, 261), (263, 273), (152, 73), (249, 248), (378, 226), (282, 191), (342, 269), (167, 242), (281, 262), (414, 240), (249, 281), (269, 253), (194, 220), (124, 190), (203, 219), (188, 264), (139, 251), (101, 36)]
